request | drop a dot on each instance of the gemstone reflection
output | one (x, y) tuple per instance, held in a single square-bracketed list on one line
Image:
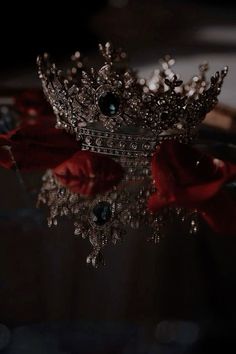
[(102, 213)]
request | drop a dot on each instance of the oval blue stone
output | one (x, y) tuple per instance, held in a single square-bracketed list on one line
[(102, 213), (109, 104)]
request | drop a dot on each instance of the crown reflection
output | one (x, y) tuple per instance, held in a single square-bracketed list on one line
[(107, 217)]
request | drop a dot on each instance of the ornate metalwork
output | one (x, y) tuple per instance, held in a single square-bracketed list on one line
[(105, 218), (113, 100)]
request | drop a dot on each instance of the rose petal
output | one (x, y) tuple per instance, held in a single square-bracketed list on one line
[(89, 173), (185, 176), (37, 146), (156, 202)]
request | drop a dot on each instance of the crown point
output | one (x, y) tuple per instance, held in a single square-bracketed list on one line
[(161, 101), (203, 67), (108, 45), (59, 72), (225, 71), (84, 74)]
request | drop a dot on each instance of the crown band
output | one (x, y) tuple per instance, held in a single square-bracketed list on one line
[(116, 100), (119, 144)]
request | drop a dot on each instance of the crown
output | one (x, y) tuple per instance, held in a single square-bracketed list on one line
[(113, 111), (105, 218)]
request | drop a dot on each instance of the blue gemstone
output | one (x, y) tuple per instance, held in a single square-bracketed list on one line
[(8, 119), (102, 213), (109, 104)]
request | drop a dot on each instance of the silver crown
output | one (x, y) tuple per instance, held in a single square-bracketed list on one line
[(113, 111)]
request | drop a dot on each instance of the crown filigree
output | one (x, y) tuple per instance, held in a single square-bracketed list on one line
[(113, 111), (105, 218)]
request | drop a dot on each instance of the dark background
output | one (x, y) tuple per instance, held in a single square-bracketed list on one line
[(140, 26)]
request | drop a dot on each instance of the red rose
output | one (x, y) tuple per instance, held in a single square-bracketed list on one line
[(186, 177), (36, 145), (32, 103), (88, 173)]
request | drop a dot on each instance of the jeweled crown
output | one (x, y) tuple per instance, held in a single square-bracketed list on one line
[(113, 111)]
